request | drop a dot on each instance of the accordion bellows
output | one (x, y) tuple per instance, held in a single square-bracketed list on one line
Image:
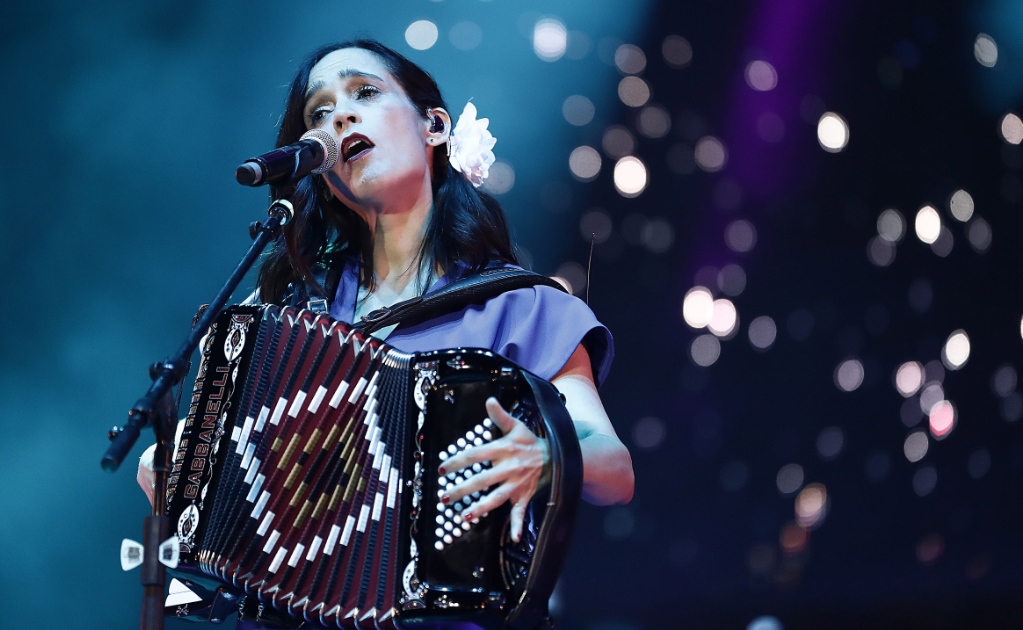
[(306, 477)]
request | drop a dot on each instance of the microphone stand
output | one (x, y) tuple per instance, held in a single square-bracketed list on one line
[(158, 409)]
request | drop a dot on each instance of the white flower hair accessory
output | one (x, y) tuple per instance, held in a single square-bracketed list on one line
[(470, 146)]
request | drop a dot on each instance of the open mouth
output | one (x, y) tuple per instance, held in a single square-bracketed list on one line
[(354, 146)]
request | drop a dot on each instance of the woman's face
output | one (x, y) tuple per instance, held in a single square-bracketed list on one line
[(383, 138)]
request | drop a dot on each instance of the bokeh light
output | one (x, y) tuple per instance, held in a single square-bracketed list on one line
[(705, 350), (931, 394), (915, 446), (961, 205), (549, 39), (677, 51), (501, 178), (630, 176), (927, 224), (761, 76), (578, 110), (942, 419), (618, 142), (1004, 380), (924, 480), (465, 35), (724, 319), (849, 375), (630, 59), (654, 121), (648, 433), (574, 274), (789, 479), (832, 132), (891, 226), (811, 505), (710, 154), (909, 378), (698, 307), (880, 251), (830, 442), (979, 235), (633, 91), (1012, 128), (762, 332), (956, 351), (793, 538), (740, 236), (657, 235), (731, 279), (584, 162), (985, 50), (421, 34)]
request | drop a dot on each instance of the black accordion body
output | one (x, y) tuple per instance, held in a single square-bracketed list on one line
[(306, 477)]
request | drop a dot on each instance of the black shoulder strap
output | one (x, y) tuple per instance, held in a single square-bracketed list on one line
[(474, 289)]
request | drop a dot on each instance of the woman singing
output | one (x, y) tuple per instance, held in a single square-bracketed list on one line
[(400, 215)]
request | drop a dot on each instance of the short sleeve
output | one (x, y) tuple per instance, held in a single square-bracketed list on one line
[(537, 327), (542, 328)]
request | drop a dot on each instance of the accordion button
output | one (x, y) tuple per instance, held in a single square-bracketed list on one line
[(488, 423), (469, 435), (477, 441), (457, 519), (479, 429), (439, 532), (452, 449), (450, 513), (440, 519), (439, 546), (448, 526), (448, 539), (457, 533), (477, 467), (466, 525), (443, 481), (461, 443), (487, 435)]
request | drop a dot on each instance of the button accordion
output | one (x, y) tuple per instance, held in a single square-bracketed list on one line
[(306, 477)]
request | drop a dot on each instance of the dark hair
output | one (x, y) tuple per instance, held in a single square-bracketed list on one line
[(466, 225)]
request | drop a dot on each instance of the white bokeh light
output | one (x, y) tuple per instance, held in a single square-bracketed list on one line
[(789, 478), (915, 446), (811, 505), (891, 226), (724, 318), (698, 307), (550, 39), (909, 378), (985, 50), (1012, 128), (762, 332), (710, 154), (956, 351), (927, 225), (832, 132), (961, 205), (421, 35), (630, 176), (849, 375), (634, 91), (705, 350), (630, 59), (761, 76), (584, 162)]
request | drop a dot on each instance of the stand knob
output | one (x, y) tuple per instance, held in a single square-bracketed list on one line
[(114, 432)]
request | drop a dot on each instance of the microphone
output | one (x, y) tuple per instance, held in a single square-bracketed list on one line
[(317, 151)]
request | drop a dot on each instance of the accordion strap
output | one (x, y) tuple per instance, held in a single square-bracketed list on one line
[(473, 289)]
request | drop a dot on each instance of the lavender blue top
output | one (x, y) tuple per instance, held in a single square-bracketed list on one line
[(538, 328)]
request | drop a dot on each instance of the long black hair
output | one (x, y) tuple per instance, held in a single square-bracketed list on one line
[(466, 225)]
